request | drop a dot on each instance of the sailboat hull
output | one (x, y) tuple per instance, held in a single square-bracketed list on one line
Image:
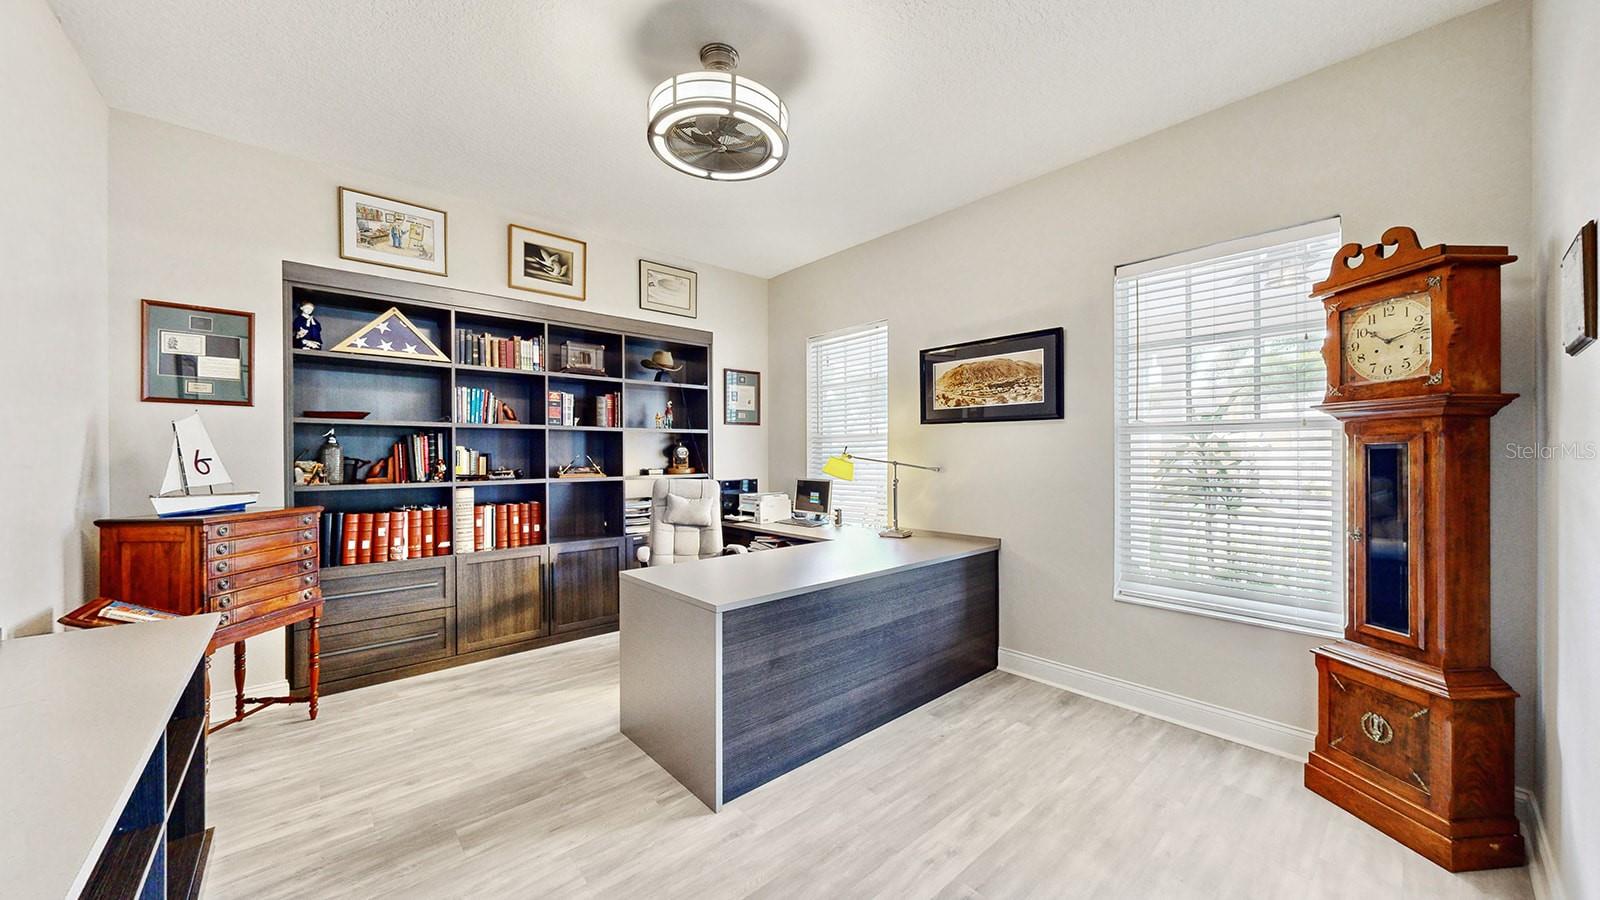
[(201, 504)]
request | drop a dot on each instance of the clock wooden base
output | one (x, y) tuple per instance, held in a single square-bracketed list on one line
[(1421, 754)]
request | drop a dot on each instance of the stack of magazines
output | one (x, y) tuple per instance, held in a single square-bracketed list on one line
[(636, 516)]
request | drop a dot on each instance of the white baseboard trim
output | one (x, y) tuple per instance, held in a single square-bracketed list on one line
[(1541, 864), (222, 702), (1218, 721)]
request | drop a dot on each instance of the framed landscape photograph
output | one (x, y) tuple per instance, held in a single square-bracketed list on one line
[(741, 397), (547, 263), (1577, 291), (667, 289), (1003, 379), (196, 354), (388, 232)]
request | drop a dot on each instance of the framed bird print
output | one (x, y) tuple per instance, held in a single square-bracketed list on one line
[(547, 263)]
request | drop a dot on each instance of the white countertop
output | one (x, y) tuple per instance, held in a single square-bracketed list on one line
[(80, 713), (731, 582)]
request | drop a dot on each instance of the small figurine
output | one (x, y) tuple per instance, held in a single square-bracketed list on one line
[(668, 417), (307, 330), (658, 421)]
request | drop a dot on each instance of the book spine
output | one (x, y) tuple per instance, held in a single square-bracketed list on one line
[(536, 518), (380, 537), (349, 539), (441, 531), (526, 520), (502, 531), (514, 523), (398, 544), (425, 525), (413, 533), (364, 543), (477, 528)]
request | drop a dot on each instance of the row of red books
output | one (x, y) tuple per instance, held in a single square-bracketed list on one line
[(496, 526), (411, 533)]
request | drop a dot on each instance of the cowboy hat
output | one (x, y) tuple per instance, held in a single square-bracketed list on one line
[(662, 361)]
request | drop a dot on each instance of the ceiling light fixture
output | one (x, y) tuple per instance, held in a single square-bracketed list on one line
[(717, 125)]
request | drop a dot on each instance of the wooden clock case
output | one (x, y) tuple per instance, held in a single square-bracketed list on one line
[(1415, 729)]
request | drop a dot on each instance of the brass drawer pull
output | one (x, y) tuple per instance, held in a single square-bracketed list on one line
[(226, 618), (305, 519), (1376, 728), (222, 531), (308, 579), (220, 549), (307, 535), (224, 602), (305, 594), (221, 565), (306, 550), (305, 565), (223, 584)]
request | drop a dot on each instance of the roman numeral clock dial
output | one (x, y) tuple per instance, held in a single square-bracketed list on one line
[(1391, 339)]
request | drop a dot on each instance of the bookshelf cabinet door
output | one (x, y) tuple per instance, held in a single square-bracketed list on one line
[(500, 598), (585, 583)]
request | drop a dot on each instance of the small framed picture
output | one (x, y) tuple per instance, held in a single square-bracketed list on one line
[(196, 354), (547, 263), (667, 289), (1004, 379), (1577, 291), (388, 232), (741, 397)]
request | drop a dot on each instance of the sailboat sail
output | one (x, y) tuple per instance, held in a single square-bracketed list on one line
[(202, 467), (172, 482)]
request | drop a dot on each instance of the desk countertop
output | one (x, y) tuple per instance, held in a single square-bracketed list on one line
[(733, 582), (79, 716)]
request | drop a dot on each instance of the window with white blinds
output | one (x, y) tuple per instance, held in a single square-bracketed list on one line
[(1228, 499), (847, 405)]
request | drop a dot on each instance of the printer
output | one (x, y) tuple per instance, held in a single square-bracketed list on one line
[(766, 507)]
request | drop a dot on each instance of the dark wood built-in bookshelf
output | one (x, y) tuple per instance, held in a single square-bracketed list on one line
[(387, 620)]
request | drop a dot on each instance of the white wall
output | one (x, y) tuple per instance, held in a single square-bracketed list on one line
[(1431, 132), (197, 219), (1566, 118), (53, 370)]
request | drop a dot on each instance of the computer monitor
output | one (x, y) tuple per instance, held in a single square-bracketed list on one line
[(812, 496)]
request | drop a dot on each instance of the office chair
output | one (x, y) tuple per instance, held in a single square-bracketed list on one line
[(685, 522)]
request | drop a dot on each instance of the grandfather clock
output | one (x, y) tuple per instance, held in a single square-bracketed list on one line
[(1415, 730)]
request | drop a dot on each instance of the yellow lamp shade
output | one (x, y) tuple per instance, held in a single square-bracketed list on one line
[(840, 467)]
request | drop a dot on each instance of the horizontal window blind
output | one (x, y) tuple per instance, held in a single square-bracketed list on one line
[(847, 405), (1228, 483)]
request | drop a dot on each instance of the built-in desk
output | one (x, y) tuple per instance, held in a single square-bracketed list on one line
[(738, 531), (737, 669)]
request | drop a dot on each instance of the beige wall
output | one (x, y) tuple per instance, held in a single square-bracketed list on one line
[(53, 370), (197, 219), (1431, 132), (1566, 111)]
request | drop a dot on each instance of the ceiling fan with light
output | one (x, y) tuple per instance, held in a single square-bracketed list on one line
[(716, 125)]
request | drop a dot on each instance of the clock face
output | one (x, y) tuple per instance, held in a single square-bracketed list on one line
[(1391, 339)]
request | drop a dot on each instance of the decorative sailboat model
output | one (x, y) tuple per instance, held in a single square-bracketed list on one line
[(195, 464)]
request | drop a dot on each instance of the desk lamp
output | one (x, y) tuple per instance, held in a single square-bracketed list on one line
[(843, 467)]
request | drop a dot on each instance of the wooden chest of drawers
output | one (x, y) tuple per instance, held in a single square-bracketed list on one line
[(257, 570), (243, 565)]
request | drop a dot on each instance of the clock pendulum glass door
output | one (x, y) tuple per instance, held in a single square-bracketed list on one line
[(1385, 546)]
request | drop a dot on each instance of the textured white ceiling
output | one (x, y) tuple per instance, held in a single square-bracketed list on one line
[(900, 109)]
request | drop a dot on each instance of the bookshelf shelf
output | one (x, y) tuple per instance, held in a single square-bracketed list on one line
[(444, 610), (370, 423), (329, 356), (403, 485), (499, 370)]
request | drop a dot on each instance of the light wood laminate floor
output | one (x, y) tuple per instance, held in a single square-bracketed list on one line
[(508, 778)]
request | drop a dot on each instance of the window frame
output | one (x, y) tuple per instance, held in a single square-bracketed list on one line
[(876, 513), (1199, 598)]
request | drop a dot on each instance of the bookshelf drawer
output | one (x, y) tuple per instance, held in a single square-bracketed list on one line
[(261, 525), (256, 543), (249, 611), (365, 648), (221, 584), (419, 585), (261, 559), (292, 586)]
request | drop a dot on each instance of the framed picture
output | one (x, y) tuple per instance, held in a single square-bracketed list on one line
[(388, 232), (1577, 291), (667, 289), (583, 359), (741, 397), (1003, 379), (196, 354), (547, 263)]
